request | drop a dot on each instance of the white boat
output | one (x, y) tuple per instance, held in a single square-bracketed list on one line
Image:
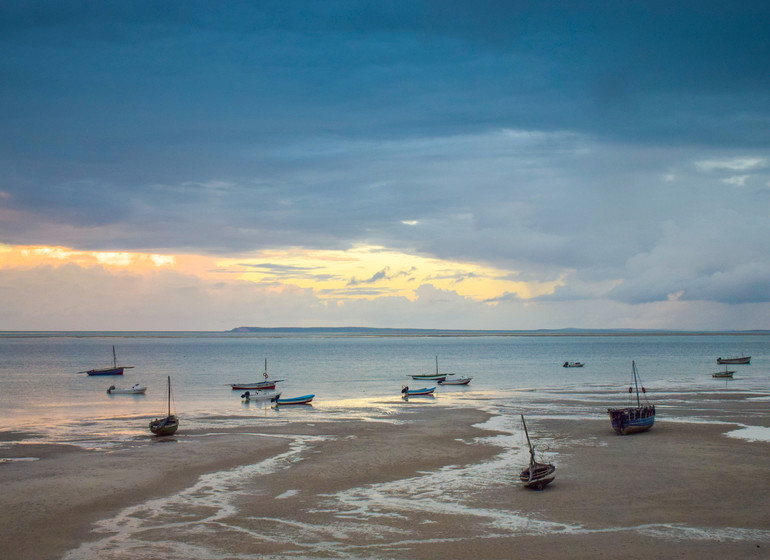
[(456, 381), (260, 396), (135, 390)]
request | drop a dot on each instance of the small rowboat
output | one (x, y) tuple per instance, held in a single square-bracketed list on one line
[(456, 381), (407, 392), (260, 396), (135, 390), (305, 399)]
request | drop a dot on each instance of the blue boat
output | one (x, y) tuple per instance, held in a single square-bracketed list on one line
[(114, 370), (305, 399), (631, 420), (407, 392)]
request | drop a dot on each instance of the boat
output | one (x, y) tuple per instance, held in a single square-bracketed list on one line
[(437, 377), (114, 370), (258, 385), (261, 396), (631, 420), (304, 399), (455, 381), (135, 390), (537, 475), (407, 392), (573, 364), (726, 373), (741, 360), (168, 425)]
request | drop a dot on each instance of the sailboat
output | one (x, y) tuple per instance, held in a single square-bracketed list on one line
[(437, 377), (114, 370), (631, 420), (168, 425), (537, 475), (258, 385)]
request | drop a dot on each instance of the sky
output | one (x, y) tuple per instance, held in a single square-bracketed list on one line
[(194, 165)]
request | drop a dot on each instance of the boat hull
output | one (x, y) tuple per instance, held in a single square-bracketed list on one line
[(261, 396), (305, 399), (131, 391), (261, 385), (538, 476), (627, 421), (106, 371), (743, 360), (418, 392), (458, 381), (164, 426), (437, 378), (723, 374)]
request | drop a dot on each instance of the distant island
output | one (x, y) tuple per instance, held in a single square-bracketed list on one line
[(373, 331)]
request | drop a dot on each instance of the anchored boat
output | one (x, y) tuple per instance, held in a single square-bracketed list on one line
[(537, 475), (114, 370), (633, 419), (168, 425), (258, 385)]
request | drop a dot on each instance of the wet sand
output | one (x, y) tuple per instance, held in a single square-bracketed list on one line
[(432, 482)]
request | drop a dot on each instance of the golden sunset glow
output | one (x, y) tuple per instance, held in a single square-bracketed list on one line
[(364, 272)]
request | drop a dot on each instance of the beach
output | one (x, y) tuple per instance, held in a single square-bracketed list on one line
[(426, 481)]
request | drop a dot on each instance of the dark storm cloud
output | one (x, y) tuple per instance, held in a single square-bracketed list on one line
[(556, 139)]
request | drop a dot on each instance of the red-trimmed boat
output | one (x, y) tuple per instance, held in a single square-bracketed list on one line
[(258, 385)]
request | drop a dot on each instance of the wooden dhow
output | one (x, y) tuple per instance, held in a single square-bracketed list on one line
[(633, 419)]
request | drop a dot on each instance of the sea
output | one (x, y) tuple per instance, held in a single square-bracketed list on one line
[(46, 397)]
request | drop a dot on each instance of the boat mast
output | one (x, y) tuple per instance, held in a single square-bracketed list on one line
[(169, 395), (531, 450), (114, 357), (636, 383), (436, 365)]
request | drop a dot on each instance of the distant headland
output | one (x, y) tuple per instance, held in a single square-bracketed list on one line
[(374, 331)]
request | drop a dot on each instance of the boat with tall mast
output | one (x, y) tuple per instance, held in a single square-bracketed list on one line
[(437, 377), (168, 425), (257, 385), (633, 419), (537, 475), (114, 370)]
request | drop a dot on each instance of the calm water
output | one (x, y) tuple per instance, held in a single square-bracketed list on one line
[(41, 391)]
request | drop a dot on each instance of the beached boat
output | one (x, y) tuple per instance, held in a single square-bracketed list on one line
[(135, 390), (726, 373), (305, 399), (455, 381), (167, 425), (741, 360), (261, 396), (437, 377), (537, 475), (573, 364), (407, 392), (258, 385), (114, 370), (631, 420)]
